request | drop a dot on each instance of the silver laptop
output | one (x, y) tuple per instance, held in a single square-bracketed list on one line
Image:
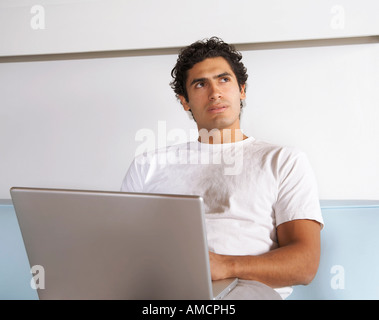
[(116, 245)]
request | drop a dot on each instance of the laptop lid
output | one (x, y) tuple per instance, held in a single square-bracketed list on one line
[(115, 245)]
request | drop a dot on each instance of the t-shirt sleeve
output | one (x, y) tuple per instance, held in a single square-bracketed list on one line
[(133, 180), (297, 192)]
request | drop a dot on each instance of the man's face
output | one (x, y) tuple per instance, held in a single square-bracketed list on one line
[(214, 95)]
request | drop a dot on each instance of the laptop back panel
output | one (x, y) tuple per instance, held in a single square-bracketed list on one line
[(113, 245)]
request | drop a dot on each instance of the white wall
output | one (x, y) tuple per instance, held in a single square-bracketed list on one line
[(70, 121), (61, 26), (324, 100)]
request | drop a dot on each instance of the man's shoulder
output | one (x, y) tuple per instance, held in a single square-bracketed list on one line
[(265, 147), (149, 155)]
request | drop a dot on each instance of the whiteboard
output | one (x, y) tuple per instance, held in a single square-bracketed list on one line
[(28, 27)]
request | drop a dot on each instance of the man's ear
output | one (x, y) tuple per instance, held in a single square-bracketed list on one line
[(243, 92), (184, 103)]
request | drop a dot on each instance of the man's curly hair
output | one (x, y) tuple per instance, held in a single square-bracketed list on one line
[(199, 51)]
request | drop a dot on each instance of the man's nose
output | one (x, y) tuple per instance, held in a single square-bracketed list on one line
[(214, 92)]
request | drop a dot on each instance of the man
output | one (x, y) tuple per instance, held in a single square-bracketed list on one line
[(263, 217)]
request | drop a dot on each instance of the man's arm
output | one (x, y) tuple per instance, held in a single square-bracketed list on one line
[(294, 262)]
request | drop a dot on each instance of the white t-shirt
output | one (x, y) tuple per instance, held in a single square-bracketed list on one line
[(248, 187)]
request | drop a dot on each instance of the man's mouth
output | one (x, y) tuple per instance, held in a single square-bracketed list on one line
[(217, 109)]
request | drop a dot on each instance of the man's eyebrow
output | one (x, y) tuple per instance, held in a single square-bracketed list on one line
[(196, 80), (221, 75)]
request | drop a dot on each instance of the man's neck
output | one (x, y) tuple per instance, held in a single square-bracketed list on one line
[(216, 136)]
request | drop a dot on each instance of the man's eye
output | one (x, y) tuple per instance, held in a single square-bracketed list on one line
[(225, 79), (199, 85)]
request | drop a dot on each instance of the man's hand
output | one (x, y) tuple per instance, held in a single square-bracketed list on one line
[(219, 266)]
